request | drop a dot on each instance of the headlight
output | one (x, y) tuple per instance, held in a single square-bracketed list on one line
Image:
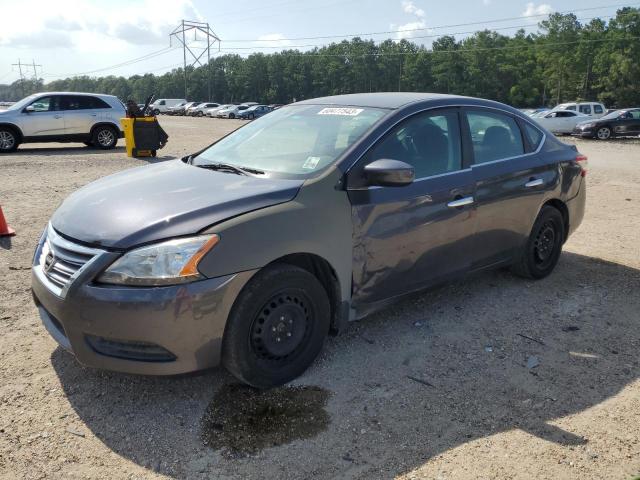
[(587, 125), (166, 263)]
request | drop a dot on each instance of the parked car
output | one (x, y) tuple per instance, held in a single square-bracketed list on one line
[(593, 109), (186, 108), (256, 111), (199, 110), (295, 224), (212, 112), (231, 112), (176, 108), (560, 121), (249, 104), (92, 119), (162, 105), (621, 123), (275, 106)]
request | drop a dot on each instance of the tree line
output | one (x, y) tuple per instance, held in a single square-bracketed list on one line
[(565, 60)]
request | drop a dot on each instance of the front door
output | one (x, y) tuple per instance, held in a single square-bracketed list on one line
[(46, 118), (510, 182), (408, 237)]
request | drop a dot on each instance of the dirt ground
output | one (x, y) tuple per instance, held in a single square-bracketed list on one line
[(438, 386)]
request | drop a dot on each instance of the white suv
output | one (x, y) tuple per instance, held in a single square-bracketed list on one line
[(62, 117), (593, 109)]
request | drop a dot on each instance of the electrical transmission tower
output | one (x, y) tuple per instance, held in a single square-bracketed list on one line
[(22, 75), (180, 34)]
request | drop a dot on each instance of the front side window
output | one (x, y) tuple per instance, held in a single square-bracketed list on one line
[(430, 142), (44, 104), (586, 109), (495, 136), (296, 140)]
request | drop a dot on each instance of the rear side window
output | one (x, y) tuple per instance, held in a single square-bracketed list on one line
[(534, 136), (495, 136), (598, 109), (430, 142), (585, 109), (73, 102), (572, 107)]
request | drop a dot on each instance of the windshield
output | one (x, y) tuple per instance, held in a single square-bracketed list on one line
[(299, 139), (23, 103), (613, 115)]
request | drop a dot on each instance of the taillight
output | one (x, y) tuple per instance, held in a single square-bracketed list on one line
[(583, 161)]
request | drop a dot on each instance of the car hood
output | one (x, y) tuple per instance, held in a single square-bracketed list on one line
[(162, 201)]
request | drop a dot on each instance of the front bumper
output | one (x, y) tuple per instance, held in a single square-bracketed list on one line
[(584, 132), (154, 331)]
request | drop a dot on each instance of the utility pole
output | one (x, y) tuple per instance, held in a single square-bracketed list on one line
[(19, 65), (180, 34)]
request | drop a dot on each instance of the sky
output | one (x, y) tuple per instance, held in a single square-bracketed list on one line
[(72, 37)]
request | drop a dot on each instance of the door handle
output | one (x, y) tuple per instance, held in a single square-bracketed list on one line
[(461, 202), (535, 182), (94, 115), (57, 116)]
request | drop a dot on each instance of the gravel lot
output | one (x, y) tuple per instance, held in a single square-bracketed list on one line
[(436, 386)]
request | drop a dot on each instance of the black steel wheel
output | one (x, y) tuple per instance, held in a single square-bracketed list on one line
[(544, 246), (277, 326)]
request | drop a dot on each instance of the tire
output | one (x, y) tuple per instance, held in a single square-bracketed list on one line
[(232, 116), (105, 137), (251, 116), (276, 327), (544, 246), (200, 114), (603, 133), (156, 112), (8, 140)]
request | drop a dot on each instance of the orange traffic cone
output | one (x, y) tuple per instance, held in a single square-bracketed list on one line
[(5, 230)]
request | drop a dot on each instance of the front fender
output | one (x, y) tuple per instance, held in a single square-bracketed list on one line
[(317, 221)]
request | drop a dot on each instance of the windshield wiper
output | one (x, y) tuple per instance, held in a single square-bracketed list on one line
[(231, 168)]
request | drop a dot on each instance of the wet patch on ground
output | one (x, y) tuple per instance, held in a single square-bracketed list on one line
[(241, 420)]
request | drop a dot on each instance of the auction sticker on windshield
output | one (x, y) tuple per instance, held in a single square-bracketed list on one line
[(348, 112)]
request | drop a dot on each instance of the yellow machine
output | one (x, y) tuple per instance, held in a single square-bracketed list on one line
[(142, 133)]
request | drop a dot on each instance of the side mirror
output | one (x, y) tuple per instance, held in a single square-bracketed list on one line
[(389, 173), (30, 109)]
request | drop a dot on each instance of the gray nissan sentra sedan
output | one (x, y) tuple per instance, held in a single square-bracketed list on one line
[(251, 251)]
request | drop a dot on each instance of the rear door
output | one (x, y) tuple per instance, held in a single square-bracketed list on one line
[(45, 120), (80, 113), (409, 237), (510, 182)]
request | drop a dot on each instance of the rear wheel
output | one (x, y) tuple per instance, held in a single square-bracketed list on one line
[(8, 140), (543, 249), (277, 326), (105, 137), (251, 116), (232, 116), (603, 133), (156, 112)]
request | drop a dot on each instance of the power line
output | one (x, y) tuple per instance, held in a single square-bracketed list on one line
[(286, 47), (439, 27)]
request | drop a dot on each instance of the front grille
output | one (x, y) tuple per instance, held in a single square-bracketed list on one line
[(62, 260)]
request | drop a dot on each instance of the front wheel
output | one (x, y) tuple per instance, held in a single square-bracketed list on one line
[(544, 246), (603, 133), (277, 326), (8, 140), (232, 116), (156, 112), (105, 137)]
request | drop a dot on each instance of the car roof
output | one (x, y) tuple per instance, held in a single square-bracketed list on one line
[(390, 100), (77, 93)]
